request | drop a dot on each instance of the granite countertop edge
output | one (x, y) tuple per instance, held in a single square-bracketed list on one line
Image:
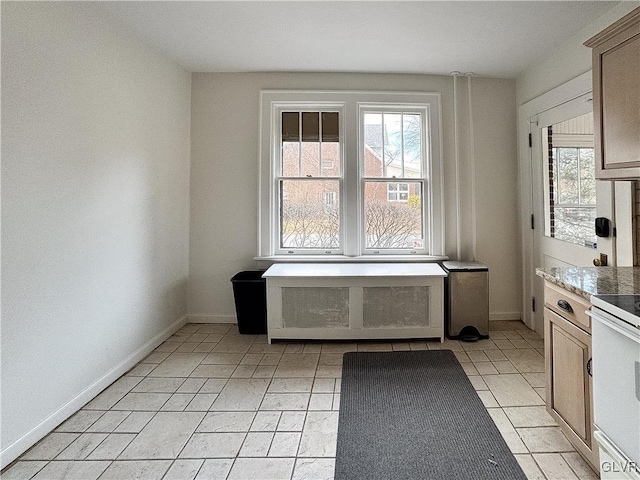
[(587, 281)]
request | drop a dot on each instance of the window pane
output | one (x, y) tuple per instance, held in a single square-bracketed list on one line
[(303, 154), (310, 214), (575, 225), (290, 159), (330, 127), (412, 136), (567, 175), (393, 217), (392, 159), (393, 145), (310, 164), (310, 126), (373, 145), (572, 189), (290, 127), (330, 152), (587, 176)]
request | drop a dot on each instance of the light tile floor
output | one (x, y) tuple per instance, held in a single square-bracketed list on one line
[(210, 403)]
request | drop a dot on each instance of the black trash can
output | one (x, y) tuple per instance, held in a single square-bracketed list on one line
[(250, 295)]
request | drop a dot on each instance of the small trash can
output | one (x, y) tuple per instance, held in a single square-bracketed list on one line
[(250, 296), (467, 300)]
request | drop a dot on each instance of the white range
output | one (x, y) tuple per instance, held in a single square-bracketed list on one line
[(616, 384)]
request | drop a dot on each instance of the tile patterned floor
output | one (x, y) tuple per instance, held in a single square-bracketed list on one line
[(210, 403)]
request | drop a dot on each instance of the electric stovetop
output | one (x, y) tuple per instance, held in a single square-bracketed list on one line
[(625, 307)]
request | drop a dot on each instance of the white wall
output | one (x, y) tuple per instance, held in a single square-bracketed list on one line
[(568, 60), (496, 192), (224, 177), (95, 209)]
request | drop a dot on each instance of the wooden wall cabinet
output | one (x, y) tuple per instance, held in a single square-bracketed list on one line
[(567, 338), (616, 98)]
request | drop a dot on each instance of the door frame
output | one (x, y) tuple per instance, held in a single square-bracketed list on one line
[(570, 90)]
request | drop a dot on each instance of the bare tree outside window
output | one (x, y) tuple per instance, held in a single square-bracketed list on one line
[(574, 196), (306, 222), (391, 224)]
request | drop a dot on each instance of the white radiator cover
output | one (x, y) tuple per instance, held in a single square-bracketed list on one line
[(355, 303)]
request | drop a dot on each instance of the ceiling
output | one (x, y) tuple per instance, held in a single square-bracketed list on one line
[(492, 38)]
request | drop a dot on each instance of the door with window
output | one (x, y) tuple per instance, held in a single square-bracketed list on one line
[(566, 197)]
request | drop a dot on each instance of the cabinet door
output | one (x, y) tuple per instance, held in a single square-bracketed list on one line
[(620, 96), (568, 382), (616, 98)]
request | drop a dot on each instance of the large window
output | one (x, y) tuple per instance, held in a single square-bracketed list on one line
[(393, 149), (347, 173), (308, 178)]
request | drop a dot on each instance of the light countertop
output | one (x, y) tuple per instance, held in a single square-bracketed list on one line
[(587, 281)]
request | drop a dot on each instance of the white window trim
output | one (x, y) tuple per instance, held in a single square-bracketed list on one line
[(273, 101)]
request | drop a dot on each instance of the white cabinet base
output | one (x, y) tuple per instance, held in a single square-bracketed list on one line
[(355, 301)]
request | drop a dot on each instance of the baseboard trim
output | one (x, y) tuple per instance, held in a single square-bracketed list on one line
[(204, 318), (30, 438), (505, 316)]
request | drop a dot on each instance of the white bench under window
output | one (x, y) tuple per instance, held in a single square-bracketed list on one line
[(350, 301)]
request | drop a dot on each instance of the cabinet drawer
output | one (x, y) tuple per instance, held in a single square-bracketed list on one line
[(568, 305)]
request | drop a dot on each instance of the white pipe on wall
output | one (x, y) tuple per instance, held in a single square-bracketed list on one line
[(455, 74), (472, 158)]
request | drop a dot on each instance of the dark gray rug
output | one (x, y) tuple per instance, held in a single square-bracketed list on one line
[(415, 415)]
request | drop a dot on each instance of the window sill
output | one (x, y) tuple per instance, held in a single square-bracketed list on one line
[(346, 259)]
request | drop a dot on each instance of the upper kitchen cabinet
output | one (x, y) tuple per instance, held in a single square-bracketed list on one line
[(616, 98)]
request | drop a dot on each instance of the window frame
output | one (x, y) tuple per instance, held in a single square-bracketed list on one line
[(349, 104), (423, 180), (278, 109)]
